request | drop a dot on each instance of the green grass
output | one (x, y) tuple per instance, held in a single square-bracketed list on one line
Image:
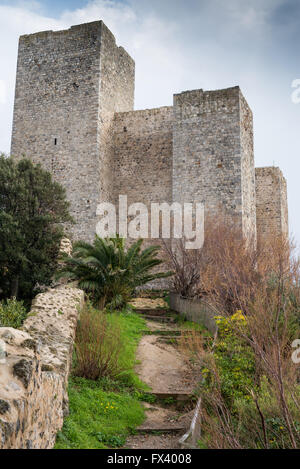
[(103, 413), (189, 325), (132, 326), (186, 325), (91, 425)]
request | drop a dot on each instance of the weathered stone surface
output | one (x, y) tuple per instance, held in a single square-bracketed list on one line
[(66, 246), (34, 373), (213, 159), (143, 143), (271, 202), (4, 407), (23, 371)]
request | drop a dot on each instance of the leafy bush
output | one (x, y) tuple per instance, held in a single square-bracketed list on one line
[(32, 208), (109, 272), (114, 441), (250, 396), (234, 358), (97, 347), (266, 428), (12, 313)]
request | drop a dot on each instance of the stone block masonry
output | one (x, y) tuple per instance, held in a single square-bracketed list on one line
[(74, 114), (213, 160), (34, 373), (271, 202), (69, 85), (143, 159)]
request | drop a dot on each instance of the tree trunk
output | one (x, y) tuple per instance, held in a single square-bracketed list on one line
[(15, 288), (101, 303)]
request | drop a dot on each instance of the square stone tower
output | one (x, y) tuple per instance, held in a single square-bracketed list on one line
[(69, 86), (271, 202), (213, 159)]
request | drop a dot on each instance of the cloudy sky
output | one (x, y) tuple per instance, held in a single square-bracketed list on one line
[(188, 44)]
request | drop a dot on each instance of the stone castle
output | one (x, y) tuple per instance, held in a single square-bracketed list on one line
[(74, 114)]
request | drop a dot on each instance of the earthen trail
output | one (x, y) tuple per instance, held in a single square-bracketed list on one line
[(163, 368)]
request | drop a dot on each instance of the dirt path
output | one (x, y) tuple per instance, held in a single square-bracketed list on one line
[(163, 368)]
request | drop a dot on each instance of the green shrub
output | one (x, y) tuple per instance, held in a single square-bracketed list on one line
[(98, 346), (275, 434), (32, 210), (109, 272), (243, 407), (234, 360), (12, 313), (114, 441)]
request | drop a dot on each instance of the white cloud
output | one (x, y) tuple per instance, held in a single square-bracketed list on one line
[(2, 92), (252, 14)]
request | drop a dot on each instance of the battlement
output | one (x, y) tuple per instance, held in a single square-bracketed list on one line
[(73, 30)]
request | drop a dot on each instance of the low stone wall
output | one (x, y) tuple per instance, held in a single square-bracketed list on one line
[(34, 370), (196, 310)]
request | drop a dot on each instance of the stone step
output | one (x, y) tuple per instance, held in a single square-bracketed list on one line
[(168, 339), (155, 312), (163, 319), (163, 428), (151, 294), (176, 396), (163, 332)]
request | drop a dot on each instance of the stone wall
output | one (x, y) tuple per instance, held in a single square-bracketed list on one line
[(34, 373), (271, 202), (195, 310), (143, 155), (200, 150), (117, 72), (247, 170)]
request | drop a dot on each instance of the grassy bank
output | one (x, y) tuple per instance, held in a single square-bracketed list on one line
[(104, 412)]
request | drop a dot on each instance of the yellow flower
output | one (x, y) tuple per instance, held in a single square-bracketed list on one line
[(238, 316)]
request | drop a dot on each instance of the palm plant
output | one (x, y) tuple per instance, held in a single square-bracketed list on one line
[(108, 271)]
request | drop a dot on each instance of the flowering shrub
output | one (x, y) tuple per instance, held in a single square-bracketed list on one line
[(234, 359)]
